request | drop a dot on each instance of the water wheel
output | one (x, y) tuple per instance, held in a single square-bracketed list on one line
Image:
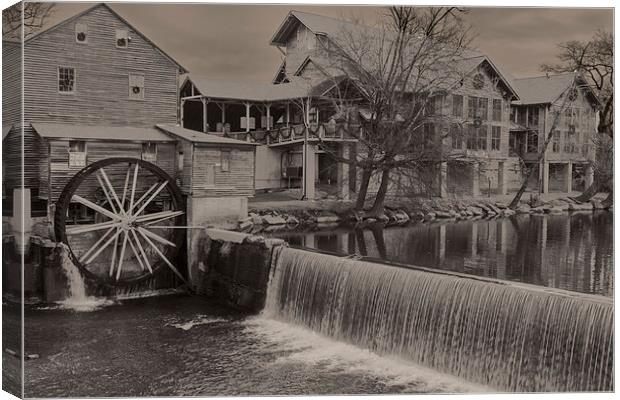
[(117, 218)]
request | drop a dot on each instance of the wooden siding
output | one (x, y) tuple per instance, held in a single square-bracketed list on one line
[(237, 182), (102, 76), (186, 174), (61, 172), (11, 83), (12, 152)]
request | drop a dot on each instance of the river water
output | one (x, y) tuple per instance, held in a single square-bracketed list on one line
[(572, 252), (185, 346), (180, 345)]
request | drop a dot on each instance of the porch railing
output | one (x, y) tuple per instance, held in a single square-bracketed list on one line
[(292, 133)]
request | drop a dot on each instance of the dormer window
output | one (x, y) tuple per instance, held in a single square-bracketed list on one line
[(66, 80), (81, 33), (136, 87), (122, 38)]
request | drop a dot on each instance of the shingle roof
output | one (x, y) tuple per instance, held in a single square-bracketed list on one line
[(542, 89), (112, 133), (249, 91), (200, 137), (318, 24)]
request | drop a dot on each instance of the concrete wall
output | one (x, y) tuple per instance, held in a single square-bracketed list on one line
[(232, 267)]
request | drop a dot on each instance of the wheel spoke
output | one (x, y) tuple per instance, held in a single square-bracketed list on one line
[(91, 258), (135, 252), (120, 259), (133, 189), (156, 237), (146, 259), (105, 178), (125, 188), (96, 245), (146, 203), (94, 207), (172, 267), (114, 250), (143, 197), (160, 216), (107, 195), (91, 227)]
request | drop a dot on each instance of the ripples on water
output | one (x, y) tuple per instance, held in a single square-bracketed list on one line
[(572, 252), (182, 346)]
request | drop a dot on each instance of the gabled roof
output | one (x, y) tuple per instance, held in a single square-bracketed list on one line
[(467, 65), (546, 89), (318, 24), (94, 132), (200, 137), (117, 15), (248, 91)]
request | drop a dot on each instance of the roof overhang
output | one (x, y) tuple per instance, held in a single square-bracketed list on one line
[(196, 137), (53, 131), (287, 26)]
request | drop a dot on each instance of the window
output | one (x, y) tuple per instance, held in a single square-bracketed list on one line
[(429, 133), (496, 137), (471, 138), (532, 142), (497, 110), (477, 107), (122, 38), (482, 137), (457, 105), (555, 144), (532, 116), (456, 133), (149, 152), (136, 87), (77, 153), (66, 80), (81, 33), (566, 142), (225, 161)]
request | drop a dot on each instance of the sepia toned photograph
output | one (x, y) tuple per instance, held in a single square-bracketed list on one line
[(204, 199)]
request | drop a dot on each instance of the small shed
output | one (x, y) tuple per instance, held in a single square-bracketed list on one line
[(213, 165), (66, 149)]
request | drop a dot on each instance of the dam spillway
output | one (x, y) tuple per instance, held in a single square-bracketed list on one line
[(513, 337)]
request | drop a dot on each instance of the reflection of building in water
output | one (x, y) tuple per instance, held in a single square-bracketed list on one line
[(572, 253)]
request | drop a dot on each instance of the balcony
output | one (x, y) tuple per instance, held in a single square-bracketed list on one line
[(285, 135)]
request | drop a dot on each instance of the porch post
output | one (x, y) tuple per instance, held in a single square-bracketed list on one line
[(443, 179), (288, 114), (268, 106), (204, 115), (223, 115), (343, 173), (309, 171), (568, 183), (181, 112), (544, 176), (589, 175), (475, 179), (501, 178), (247, 117)]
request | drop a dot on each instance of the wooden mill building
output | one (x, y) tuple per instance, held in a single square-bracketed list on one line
[(94, 87)]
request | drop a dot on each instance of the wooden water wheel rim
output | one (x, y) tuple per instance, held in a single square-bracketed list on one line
[(127, 221)]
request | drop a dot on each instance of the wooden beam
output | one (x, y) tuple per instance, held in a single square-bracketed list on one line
[(204, 114)]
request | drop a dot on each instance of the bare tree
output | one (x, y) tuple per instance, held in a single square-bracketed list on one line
[(29, 16), (594, 59), (402, 69)]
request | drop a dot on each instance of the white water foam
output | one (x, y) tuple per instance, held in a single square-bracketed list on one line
[(78, 300), (309, 347), (199, 320)]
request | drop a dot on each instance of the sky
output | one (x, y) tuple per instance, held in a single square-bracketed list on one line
[(232, 41)]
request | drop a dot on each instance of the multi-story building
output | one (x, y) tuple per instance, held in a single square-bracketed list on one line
[(567, 162)]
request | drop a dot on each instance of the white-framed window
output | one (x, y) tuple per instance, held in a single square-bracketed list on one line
[(496, 137), (122, 38), (225, 160), (136, 87), (77, 153), (66, 80), (81, 32), (149, 151)]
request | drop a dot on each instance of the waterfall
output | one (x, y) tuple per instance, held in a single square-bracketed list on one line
[(77, 300), (513, 337)]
